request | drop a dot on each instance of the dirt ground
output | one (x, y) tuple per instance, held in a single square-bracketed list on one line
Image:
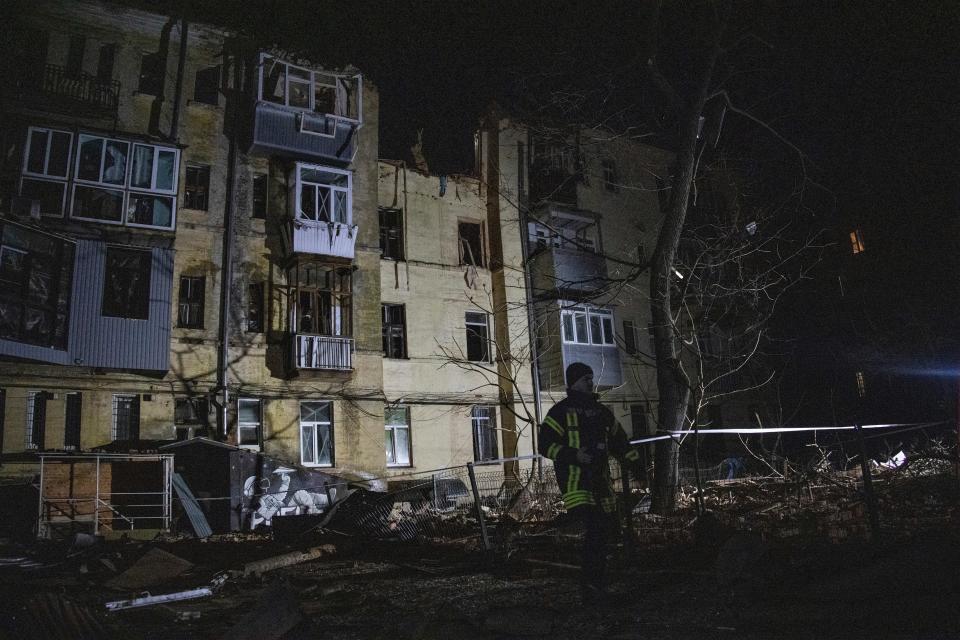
[(742, 588)]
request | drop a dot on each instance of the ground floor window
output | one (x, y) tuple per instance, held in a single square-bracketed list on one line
[(397, 436), (126, 417), (71, 426), (316, 433), (484, 421), (249, 422), (36, 419)]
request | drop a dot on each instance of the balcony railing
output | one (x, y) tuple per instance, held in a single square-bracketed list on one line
[(61, 90), (323, 352)]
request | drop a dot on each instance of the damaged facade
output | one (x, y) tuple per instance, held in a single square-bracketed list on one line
[(377, 320)]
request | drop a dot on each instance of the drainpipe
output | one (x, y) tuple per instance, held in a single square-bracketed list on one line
[(226, 275), (163, 54), (178, 88)]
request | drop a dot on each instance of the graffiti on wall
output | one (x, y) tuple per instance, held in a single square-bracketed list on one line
[(284, 491)]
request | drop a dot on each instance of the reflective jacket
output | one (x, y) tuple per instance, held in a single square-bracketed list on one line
[(579, 422)]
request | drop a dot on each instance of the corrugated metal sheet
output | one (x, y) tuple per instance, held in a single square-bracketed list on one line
[(121, 343), (605, 361), (195, 514), (276, 130), (115, 343)]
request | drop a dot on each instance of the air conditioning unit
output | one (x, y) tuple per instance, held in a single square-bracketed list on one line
[(24, 207)]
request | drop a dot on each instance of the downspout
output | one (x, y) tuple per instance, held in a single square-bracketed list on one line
[(163, 54), (523, 208), (178, 88), (226, 278)]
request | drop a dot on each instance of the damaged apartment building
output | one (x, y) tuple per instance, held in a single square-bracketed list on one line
[(198, 243)]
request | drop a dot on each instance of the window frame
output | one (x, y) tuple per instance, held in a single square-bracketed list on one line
[(300, 168), (255, 302), (149, 278), (396, 229), (313, 80), (196, 190), (154, 76), (257, 426), (390, 438), (134, 428), (587, 312), (462, 244), (386, 327), (71, 430), (27, 175), (340, 299), (314, 424), (193, 301), (201, 90), (486, 334), (488, 423), (126, 189), (35, 439), (261, 181)]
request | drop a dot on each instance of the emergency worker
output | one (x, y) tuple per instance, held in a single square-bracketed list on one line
[(579, 434)]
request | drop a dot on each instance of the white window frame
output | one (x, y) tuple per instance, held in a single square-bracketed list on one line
[(314, 80), (391, 430), (299, 183), (256, 426), (26, 174), (587, 312), (313, 424), (125, 189), (491, 426)]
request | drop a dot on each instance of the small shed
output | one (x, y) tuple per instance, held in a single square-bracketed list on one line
[(243, 490)]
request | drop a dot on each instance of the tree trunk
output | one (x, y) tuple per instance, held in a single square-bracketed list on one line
[(672, 385)]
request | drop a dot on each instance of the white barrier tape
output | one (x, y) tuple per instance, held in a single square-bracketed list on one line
[(761, 431)]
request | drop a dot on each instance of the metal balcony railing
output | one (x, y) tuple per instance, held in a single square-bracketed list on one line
[(323, 352), (69, 90)]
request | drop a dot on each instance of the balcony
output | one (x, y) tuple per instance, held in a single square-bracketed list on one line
[(322, 352), (334, 239), (286, 131), (53, 89), (556, 272)]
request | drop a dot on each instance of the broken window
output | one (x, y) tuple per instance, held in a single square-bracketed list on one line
[(46, 168), (301, 88), (397, 436), (36, 275), (105, 193), (71, 423), (585, 324), (126, 284), (36, 419), (391, 233), (260, 196), (196, 190), (484, 423), (190, 308), (190, 417), (255, 322), (324, 194), (250, 422), (323, 299), (478, 337), (470, 236), (856, 242), (638, 421), (151, 74), (206, 87), (316, 433), (394, 331), (126, 417)]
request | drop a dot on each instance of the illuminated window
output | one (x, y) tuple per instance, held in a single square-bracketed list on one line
[(856, 242), (397, 436), (861, 384)]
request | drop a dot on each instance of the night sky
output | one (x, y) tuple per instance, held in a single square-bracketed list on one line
[(868, 91)]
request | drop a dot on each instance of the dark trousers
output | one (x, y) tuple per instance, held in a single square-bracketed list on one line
[(594, 559)]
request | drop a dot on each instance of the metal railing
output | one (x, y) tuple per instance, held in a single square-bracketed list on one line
[(79, 88), (323, 352)]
